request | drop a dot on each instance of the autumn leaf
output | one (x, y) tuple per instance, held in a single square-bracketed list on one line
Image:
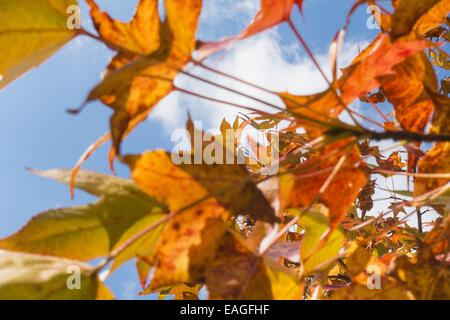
[(438, 239), (437, 159), (407, 91), (272, 13), (35, 277), (237, 273), (310, 108), (345, 186), (433, 18), (361, 265), (184, 248), (316, 224), (423, 271), (31, 32), (392, 163), (216, 216), (122, 211), (404, 75), (415, 14), (182, 184), (362, 76), (137, 81), (365, 201), (285, 249)]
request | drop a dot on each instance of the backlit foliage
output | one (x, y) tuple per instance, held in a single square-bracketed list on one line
[(303, 232)]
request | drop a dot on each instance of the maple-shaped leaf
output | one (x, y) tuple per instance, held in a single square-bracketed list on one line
[(408, 92), (312, 110), (92, 231), (30, 32), (237, 273), (403, 72), (184, 248), (392, 163), (301, 191), (138, 78), (179, 185), (272, 13), (35, 277), (396, 209)]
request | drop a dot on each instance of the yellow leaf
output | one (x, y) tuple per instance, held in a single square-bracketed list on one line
[(185, 248), (30, 32)]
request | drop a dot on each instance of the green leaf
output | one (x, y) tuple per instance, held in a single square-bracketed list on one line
[(34, 277), (91, 231), (30, 32)]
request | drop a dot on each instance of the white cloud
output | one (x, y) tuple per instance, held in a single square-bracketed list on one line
[(258, 60), (215, 11)]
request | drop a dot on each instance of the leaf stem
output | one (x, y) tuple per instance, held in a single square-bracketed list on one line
[(108, 43), (201, 64)]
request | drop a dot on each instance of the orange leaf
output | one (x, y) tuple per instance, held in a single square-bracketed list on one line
[(437, 160), (361, 77), (135, 83), (343, 189)]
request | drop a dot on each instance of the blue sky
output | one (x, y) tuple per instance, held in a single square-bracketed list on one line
[(36, 132)]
